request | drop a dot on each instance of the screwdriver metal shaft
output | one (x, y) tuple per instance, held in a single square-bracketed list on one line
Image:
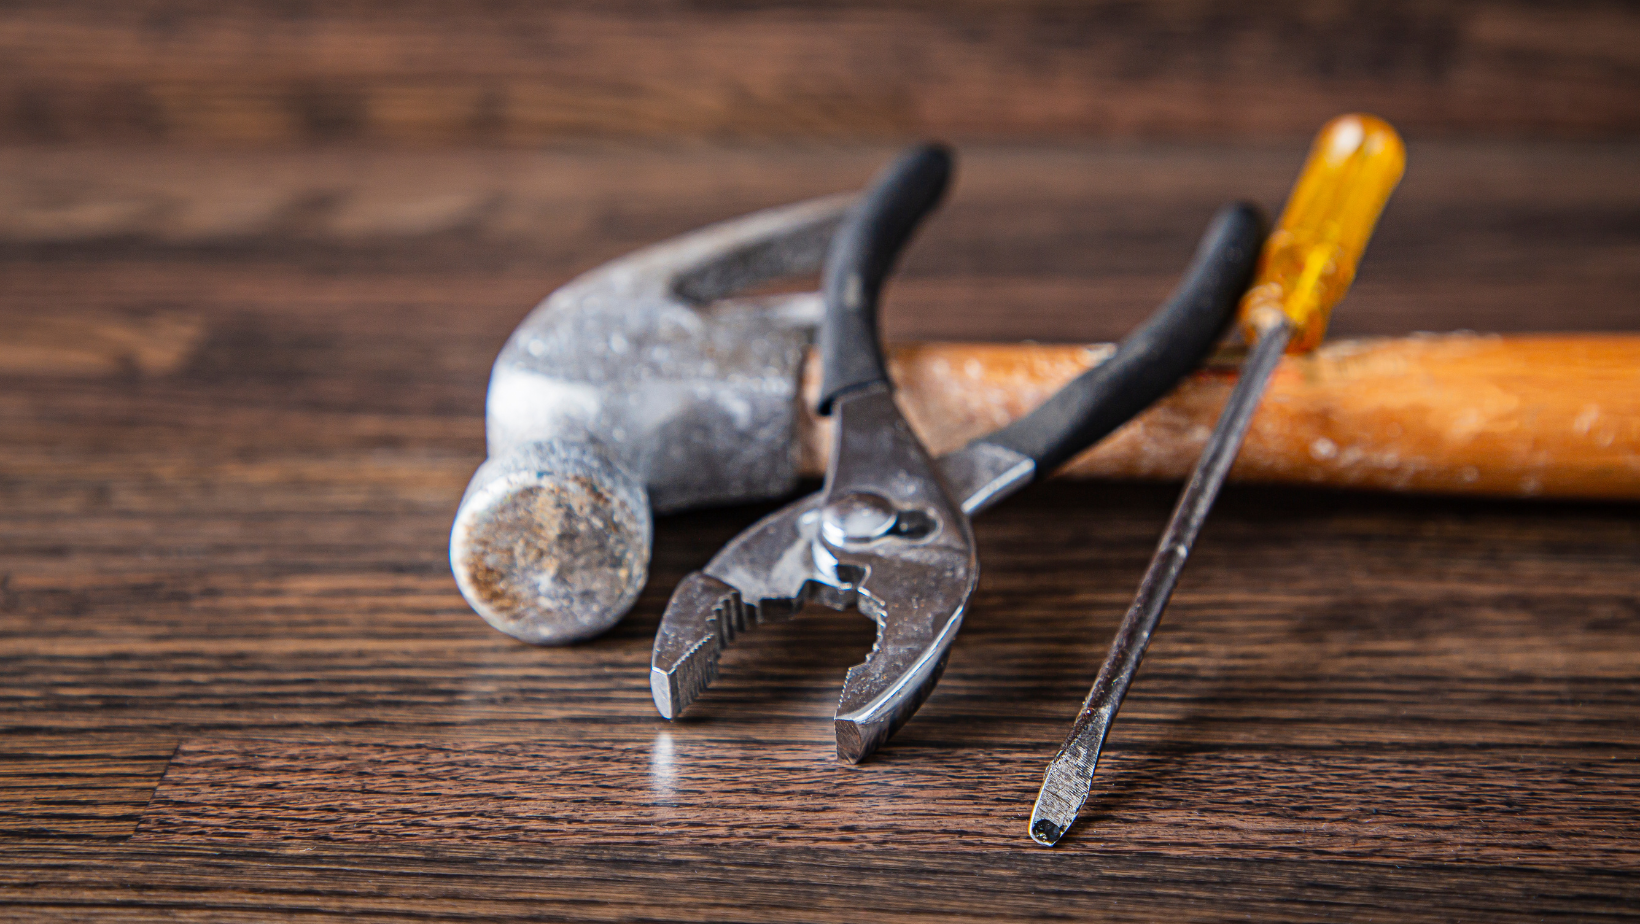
[(1070, 774)]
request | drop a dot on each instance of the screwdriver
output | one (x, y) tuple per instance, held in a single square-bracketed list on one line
[(1306, 266)]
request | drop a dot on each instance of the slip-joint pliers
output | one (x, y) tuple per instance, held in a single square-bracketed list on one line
[(889, 532)]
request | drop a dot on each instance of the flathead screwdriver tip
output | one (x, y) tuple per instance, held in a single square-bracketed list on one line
[(1064, 789), (1045, 832)]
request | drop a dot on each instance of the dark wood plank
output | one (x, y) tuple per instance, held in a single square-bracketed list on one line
[(241, 394), (1066, 244), (753, 882), (522, 73), (647, 788), (78, 786)]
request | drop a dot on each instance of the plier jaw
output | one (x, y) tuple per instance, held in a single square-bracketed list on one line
[(883, 536), (890, 527)]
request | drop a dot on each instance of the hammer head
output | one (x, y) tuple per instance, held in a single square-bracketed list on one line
[(639, 387)]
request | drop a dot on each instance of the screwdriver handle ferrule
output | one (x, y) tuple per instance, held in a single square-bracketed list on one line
[(1309, 260)]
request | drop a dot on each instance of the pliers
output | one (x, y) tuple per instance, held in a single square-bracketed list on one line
[(889, 531)]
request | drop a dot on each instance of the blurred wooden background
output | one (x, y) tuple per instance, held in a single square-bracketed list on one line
[(521, 73), (256, 259)]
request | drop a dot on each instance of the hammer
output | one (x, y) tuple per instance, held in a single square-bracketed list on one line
[(646, 386)]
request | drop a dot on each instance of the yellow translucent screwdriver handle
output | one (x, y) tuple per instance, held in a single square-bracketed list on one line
[(1309, 260)]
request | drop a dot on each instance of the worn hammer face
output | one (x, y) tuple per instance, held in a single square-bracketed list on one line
[(638, 386)]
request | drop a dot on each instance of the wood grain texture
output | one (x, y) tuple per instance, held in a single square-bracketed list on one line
[(518, 73), (1359, 706), (69, 786), (1058, 244), (759, 882), (655, 788)]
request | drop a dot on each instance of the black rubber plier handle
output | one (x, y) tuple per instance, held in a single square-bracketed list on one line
[(1146, 365)]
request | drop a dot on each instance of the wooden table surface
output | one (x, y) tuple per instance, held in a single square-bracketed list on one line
[(242, 393), (257, 257)]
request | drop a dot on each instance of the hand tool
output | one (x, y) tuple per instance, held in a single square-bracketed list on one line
[(641, 385), (645, 383), (889, 531), (1306, 267)]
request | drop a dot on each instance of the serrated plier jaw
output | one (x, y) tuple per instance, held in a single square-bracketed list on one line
[(883, 536)]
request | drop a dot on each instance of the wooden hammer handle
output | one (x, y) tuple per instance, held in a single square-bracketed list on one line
[(1524, 416)]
